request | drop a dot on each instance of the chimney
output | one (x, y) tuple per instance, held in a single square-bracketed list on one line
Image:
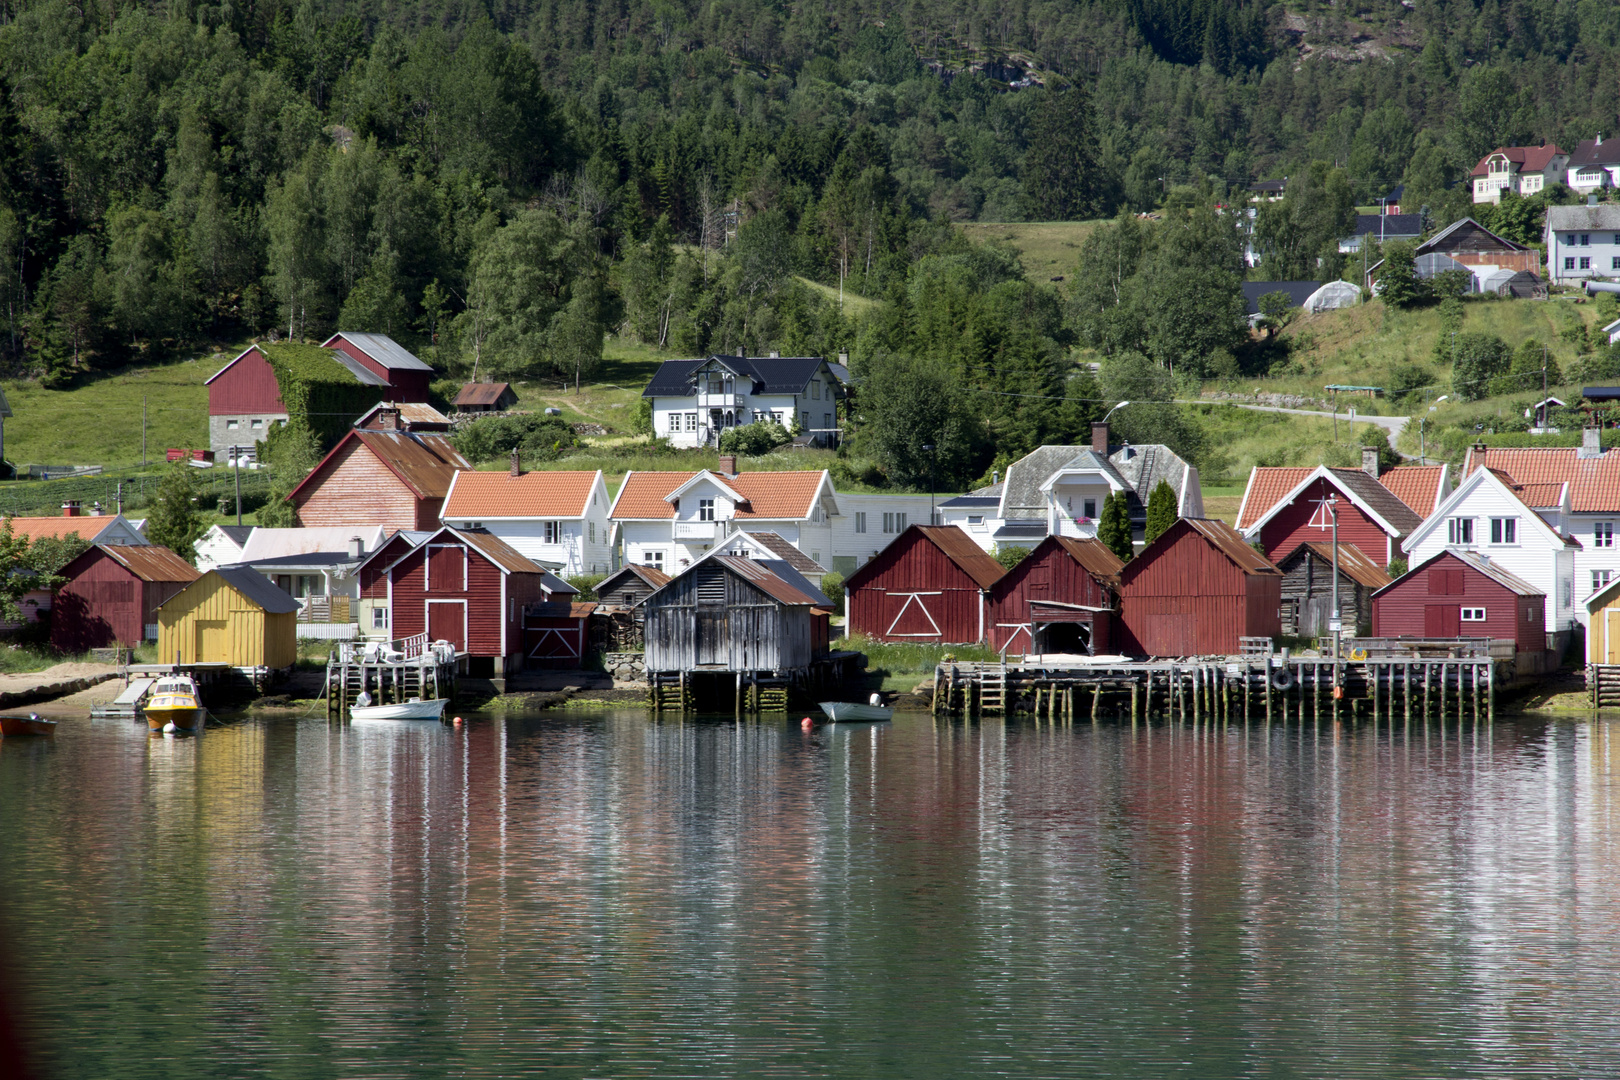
[(843, 358), (775, 355), (1591, 443), (1099, 437), (728, 464), (95, 510), (357, 547), (1369, 461), (388, 419), (517, 465), (70, 508), (995, 477)]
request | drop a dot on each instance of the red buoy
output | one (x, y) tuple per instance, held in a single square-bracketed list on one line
[(807, 723)]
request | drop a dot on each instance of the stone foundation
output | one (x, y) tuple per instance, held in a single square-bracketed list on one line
[(626, 667)]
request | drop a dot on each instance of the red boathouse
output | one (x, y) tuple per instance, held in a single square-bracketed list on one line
[(1195, 591), (111, 595), (931, 584), (1062, 598), (1462, 594)]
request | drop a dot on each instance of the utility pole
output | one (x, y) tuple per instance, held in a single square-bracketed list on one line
[(1335, 624), (143, 431), (120, 496), (236, 467)]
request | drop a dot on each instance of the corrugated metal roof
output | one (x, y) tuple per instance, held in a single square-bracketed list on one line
[(1091, 553), (150, 562), (765, 580), (256, 587), (778, 545), (959, 547), (1479, 562), (1231, 544), (652, 577), (1353, 563), (499, 552), (427, 463), (788, 573), (476, 393), (411, 414), (365, 375), (383, 349), (493, 495)]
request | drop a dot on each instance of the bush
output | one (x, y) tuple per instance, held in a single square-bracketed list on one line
[(1010, 555), (754, 440), (1480, 358), (1405, 379), (586, 584), (537, 437), (832, 585)]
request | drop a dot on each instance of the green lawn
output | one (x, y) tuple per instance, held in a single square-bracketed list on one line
[(853, 305), (1049, 250)]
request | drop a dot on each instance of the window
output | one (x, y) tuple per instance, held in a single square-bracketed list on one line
[(1614, 263), (1473, 614), (593, 532), (860, 521), (705, 509), (1603, 534), (1460, 531), (805, 421), (975, 519), (815, 390), (379, 618), (691, 421), (1569, 264), (894, 523), (815, 556), (1600, 578), (1617, 238), (232, 425), (473, 525), (256, 423), (1586, 263), (826, 420), (1586, 239), (654, 559), (1091, 508), (554, 532), (1504, 530)]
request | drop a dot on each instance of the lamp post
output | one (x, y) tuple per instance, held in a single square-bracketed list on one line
[(1114, 410), (928, 448), (1334, 622)]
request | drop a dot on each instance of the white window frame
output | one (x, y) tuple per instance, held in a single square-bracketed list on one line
[(655, 559), (554, 532), (860, 521), (379, 617), (1601, 579), (705, 509), (1473, 614), (1460, 530), (1505, 531), (1603, 534)]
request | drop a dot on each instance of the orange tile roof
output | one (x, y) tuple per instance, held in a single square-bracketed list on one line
[(770, 495), (489, 495), (1418, 486), (88, 528), (1540, 494), (1267, 485), (1594, 483)]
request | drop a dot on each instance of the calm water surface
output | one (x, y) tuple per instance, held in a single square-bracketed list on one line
[(595, 894)]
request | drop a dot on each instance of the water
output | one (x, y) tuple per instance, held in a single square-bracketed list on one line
[(594, 894)]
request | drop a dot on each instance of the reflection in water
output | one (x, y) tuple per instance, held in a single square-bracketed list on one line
[(600, 894)]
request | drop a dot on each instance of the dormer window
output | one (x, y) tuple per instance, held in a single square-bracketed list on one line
[(1499, 165), (705, 509)]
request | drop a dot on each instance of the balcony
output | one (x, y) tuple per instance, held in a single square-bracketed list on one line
[(695, 530), (717, 401)]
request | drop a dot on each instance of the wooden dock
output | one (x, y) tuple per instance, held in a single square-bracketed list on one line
[(1248, 687), (744, 693), (391, 672)]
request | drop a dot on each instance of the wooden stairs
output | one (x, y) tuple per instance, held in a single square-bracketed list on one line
[(1605, 682)]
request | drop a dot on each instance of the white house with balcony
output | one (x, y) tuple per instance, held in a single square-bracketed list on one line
[(1523, 170), (1594, 165), (695, 401)]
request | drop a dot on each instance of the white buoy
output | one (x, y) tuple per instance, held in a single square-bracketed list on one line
[(169, 728)]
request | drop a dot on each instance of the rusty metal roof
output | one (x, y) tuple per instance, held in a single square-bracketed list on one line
[(1231, 544), (1353, 563), (481, 393), (150, 562), (498, 551), (778, 545), (959, 547), (1474, 560), (1091, 553), (763, 580)]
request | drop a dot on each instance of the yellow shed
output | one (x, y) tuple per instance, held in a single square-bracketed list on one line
[(1603, 625), (233, 616)]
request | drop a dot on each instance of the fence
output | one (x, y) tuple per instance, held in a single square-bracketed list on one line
[(44, 498)]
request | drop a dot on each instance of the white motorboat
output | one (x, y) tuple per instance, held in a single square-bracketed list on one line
[(414, 709), (849, 710)]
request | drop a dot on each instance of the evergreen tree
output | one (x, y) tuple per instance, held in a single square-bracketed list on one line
[(1398, 284), (1161, 511), (1114, 528), (1062, 177), (292, 450), (173, 522)]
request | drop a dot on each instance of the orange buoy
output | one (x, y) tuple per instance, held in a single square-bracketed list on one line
[(457, 721), (1338, 693), (807, 723)]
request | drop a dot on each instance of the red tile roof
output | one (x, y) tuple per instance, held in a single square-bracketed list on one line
[(1594, 483), (1418, 486), (88, 527), (1267, 486), (770, 495), (1528, 158), (490, 495)]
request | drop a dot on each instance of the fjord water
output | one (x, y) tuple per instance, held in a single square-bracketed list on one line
[(598, 894)]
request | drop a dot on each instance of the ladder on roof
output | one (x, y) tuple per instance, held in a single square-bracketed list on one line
[(1146, 475)]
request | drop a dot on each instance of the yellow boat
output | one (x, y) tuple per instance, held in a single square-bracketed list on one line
[(174, 701)]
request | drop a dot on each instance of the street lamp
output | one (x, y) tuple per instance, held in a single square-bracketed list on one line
[(1114, 410), (928, 448)]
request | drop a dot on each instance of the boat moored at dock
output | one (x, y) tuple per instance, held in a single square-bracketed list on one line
[(173, 704)]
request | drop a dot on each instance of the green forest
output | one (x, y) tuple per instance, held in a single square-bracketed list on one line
[(500, 186)]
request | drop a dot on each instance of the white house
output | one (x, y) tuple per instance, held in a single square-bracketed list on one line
[(221, 545), (1582, 242), (1523, 170), (557, 519), (768, 547), (694, 401), (1593, 166), (312, 563), (1060, 491), (1514, 526)]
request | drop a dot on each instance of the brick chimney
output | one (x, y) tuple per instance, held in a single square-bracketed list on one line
[(1369, 461), (517, 465), (1099, 437), (388, 420), (70, 508), (1591, 443), (728, 464)]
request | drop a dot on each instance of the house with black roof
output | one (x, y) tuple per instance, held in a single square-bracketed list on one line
[(694, 401)]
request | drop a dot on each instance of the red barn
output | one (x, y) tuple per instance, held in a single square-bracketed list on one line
[(463, 586), (931, 584), (1063, 593), (396, 366), (1461, 594), (112, 594), (1284, 508), (397, 479), (1195, 590)]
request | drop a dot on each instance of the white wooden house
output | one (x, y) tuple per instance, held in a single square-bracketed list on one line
[(1515, 527), (557, 519), (694, 401)]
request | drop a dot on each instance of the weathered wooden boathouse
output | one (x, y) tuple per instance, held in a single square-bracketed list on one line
[(1459, 593), (1062, 598), (618, 611), (1196, 591), (931, 584), (1307, 589), (111, 594)]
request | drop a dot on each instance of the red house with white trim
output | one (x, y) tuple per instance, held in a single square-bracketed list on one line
[(1285, 507), (931, 585), (1460, 593), (1062, 598)]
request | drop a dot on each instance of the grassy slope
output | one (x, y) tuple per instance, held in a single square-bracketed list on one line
[(1049, 250), (99, 423)]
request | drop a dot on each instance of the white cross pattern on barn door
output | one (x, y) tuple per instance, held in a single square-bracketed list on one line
[(911, 599)]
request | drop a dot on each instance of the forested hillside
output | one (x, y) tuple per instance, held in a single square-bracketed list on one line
[(500, 186)]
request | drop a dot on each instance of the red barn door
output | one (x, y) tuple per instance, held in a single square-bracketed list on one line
[(908, 615), (1442, 620), (447, 621)]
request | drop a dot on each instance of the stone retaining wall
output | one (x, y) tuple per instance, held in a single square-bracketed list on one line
[(626, 667), (51, 691)]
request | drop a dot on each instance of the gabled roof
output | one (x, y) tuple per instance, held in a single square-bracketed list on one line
[(710, 476), (149, 562), (1527, 158), (501, 554), (236, 534), (364, 375), (1353, 563), (253, 585), (1597, 151), (768, 581), (412, 414), (777, 546), (955, 544), (1419, 486), (1594, 483), (381, 348), (768, 374), (1373, 498), (1466, 487), (1091, 553), (266, 543), (1603, 596), (1461, 228), (497, 496), (1021, 491), (425, 463), (648, 575), (1475, 561), (1578, 218), (87, 526), (475, 393), (1389, 226), (1220, 536), (772, 496)]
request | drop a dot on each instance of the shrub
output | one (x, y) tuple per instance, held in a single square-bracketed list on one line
[(1010, 555), (586, 584), (1479, 359), (1405, 379), (832, 585), (754, 440), (537, 437)]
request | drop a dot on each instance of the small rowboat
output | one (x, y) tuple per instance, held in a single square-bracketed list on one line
[(414, 709), (32, 724), (849, 710)]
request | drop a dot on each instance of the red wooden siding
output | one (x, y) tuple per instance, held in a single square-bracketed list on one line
[(247, 386), (106, 604), (408, 384), (1428, 602), (916, 593), (1185, 597), (1291, 527), (354, 488), (485, 612), (1048, 573), (374, 575)]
